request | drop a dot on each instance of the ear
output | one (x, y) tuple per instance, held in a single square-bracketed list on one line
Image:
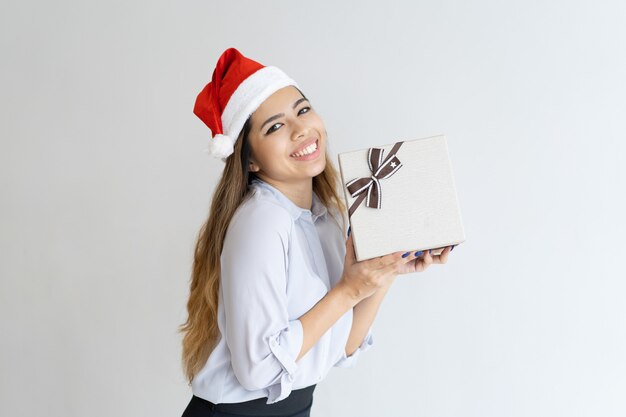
[(253, 167)]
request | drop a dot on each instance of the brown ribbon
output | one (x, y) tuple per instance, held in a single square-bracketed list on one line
[(380, 170)]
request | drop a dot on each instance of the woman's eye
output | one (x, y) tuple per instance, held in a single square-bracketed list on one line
[(271, 129), (304, 108)]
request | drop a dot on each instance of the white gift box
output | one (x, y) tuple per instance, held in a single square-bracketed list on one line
[(401, 197)]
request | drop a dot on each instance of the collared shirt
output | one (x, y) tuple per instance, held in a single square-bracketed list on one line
[(277, 262)]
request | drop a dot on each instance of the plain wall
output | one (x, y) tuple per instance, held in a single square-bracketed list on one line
[(104, 186)]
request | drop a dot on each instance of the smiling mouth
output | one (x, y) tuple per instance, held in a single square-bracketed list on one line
[(307, 151)]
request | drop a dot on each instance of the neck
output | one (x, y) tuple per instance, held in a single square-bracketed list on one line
[(300, 192)]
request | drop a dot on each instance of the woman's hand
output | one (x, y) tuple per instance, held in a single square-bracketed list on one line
[(366, 277), (424, 260)]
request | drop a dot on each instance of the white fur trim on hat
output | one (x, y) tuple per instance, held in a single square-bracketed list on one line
[(249, 95)]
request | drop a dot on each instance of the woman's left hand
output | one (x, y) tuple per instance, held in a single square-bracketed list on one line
[(423, 261)]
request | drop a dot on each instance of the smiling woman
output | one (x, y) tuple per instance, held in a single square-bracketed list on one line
[(272, 272), (244, 345)]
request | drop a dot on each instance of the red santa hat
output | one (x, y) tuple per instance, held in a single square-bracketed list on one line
[(238, 87)]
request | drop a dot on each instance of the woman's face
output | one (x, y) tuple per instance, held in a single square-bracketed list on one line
[(287, 139)]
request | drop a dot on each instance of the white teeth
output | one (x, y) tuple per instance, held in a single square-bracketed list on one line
[(306, 151)]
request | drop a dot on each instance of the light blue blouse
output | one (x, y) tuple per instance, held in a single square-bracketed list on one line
[(277, 262)]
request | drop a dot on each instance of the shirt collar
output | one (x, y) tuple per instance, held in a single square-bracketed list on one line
[(318, 209)]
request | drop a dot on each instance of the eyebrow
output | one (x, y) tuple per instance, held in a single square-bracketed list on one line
[(276, 116)]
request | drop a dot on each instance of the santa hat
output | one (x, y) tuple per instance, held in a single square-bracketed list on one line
[(238, 87)]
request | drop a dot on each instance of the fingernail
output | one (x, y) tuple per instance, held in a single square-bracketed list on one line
[(418, 253), (348, 230), (453, 246), (406, 254), (430, 251)]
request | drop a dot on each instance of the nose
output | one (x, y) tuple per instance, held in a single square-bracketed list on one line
[(299, 129)]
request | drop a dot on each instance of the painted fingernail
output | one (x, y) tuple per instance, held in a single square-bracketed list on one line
[(418, 253), (406, 254), (348, 230), (453, 246), (430, 251)]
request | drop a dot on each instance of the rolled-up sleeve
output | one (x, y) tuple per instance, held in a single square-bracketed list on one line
[(349, 361), (263, 341)]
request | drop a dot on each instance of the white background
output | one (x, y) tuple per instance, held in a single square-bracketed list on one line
[(104, 186)]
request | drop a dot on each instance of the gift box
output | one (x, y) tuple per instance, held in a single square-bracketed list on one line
[(401, 197)]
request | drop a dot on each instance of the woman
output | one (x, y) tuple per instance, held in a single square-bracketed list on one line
[(277, 298)]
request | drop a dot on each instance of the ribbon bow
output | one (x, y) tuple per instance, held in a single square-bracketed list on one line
[(369, 187)]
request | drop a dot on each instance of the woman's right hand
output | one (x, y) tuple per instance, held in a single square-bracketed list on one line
[(364, 278)]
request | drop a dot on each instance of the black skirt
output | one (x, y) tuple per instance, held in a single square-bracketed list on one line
[(297, 404)]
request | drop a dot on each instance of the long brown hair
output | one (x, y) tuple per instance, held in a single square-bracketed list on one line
[(201, 332)]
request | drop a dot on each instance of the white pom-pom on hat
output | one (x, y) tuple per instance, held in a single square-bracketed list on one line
[(221, 146)]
